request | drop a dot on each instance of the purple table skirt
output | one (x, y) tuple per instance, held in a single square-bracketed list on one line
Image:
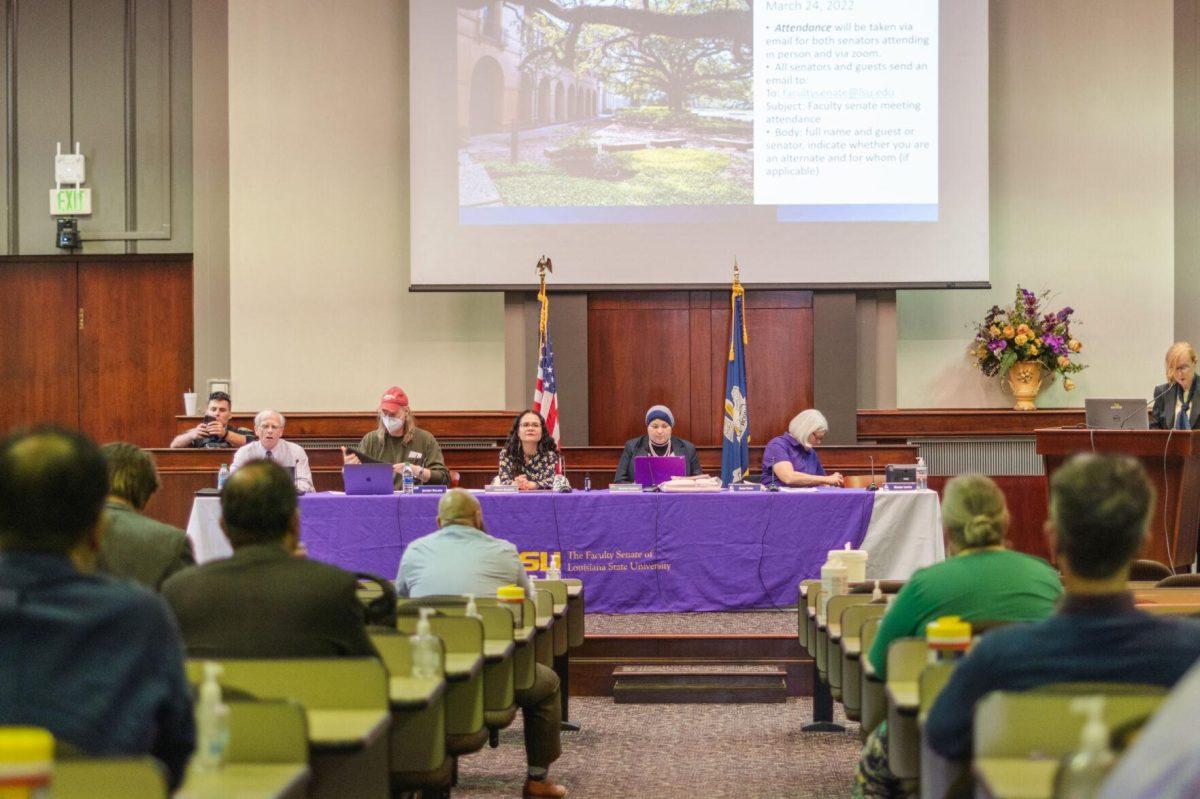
[(636, 553)]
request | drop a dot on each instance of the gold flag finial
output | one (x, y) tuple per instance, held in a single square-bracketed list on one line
[(544, 265), (737, 291)]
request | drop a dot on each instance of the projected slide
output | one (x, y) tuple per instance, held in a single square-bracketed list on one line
[(594, 111)]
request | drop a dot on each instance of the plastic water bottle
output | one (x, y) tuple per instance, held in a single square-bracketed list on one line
[(222, 476), (406, 481), (212, 721), (1083, 771), (922, 473), (426, 649)]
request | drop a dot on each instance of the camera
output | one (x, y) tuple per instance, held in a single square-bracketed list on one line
[(67, 237)]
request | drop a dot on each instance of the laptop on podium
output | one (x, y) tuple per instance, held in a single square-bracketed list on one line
[(1116, 414)]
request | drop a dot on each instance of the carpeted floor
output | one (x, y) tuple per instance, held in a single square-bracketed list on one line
[(778, 622), (685, 751)]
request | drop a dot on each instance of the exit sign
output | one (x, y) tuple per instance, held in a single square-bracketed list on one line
[(70, 202)]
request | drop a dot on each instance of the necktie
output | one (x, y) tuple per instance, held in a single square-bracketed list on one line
[(270, 455), (1184, 421)]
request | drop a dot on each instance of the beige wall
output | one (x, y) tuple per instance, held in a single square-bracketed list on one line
[(1081, 200), (320, 314)]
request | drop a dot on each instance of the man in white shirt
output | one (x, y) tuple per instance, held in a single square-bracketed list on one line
[(270, 446)]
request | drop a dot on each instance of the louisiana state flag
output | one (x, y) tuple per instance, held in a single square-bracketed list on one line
[(735, 441)]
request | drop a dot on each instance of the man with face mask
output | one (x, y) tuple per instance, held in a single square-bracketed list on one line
[(400, 442)]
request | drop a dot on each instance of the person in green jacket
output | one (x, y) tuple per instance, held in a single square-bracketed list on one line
[(398, 441), (981, 580)]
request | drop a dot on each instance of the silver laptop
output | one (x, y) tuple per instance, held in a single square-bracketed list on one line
[(1117, 414)]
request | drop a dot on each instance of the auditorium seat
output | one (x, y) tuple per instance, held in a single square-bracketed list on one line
[(873, 698), (937, 773), (802, 609), (347, 709), (1179, 581), (417, 751), (1021, 736), (829, 639), (378, 598), (1148, 571), (575, 611), (868, 586), (906, 659), (109, 778), (851, 655)]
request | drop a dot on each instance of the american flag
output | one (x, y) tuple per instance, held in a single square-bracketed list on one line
[(545, 393)]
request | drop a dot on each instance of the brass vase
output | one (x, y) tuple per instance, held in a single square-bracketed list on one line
[(1025, 380)]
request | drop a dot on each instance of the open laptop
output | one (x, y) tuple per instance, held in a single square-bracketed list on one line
[(1116, 414), (367, 478), (649, 470)]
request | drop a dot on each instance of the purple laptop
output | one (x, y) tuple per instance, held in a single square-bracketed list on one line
[(367, 478), (649, 470)]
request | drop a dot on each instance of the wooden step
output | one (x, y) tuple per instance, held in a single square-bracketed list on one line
[(699, 684)]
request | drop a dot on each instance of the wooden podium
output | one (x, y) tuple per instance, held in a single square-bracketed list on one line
[(1171, 459)]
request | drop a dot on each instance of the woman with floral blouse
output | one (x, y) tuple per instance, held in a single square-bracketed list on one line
[(530, 457)]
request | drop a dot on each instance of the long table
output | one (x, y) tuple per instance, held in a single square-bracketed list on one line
[(637, 552)]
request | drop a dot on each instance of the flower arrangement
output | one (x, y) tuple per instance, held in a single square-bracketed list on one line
[(1024, 333)]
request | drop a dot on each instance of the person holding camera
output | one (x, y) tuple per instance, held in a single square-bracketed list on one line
[(214, 430)]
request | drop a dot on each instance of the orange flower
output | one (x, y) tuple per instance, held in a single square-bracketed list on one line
[(994, 331), (1009, 332), (1064, 361), (1024, 329), (1074, 345)]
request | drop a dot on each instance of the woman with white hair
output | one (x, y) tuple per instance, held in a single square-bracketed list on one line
[(791, 459)]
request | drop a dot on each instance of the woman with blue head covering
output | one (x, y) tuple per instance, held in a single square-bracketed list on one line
[(657, 442)]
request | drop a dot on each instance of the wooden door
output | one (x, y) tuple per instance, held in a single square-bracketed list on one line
[(135, 348), (39, 328)]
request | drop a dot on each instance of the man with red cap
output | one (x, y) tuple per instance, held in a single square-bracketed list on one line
[(398, 441)]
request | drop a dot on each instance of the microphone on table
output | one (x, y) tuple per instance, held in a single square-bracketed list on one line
[(873, 486), (1124, 419)]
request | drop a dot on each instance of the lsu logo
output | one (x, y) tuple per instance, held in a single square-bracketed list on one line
[(538, 561)]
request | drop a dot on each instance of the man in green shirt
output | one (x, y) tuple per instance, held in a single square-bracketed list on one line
[(398, 441), (981, 581)]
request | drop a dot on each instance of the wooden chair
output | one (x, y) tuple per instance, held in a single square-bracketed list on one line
[(346, 702)]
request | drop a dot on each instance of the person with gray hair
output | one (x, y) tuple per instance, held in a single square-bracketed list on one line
[(791, 459), (270, 446), (981, 581), (461, 558), (134, 546), (659, 441)]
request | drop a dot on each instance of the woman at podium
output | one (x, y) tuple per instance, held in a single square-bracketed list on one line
[(1175, 406), (791, 459), (659, 442), (530, 457)]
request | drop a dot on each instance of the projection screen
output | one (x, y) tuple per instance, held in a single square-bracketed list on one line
[(650, 143)]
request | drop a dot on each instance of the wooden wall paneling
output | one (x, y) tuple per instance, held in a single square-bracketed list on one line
[(39, 329), (1025, 496), (638, 356), (704, 405), (906, 423), (135, 349)]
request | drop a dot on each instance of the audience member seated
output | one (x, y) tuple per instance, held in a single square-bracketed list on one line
[(1164, 761), (94, 660), (214, 432), (981, 580), (134, 546), (791, 459), (460, 558), (398, 441), (270, 446), (1100, 506), (530, 456), (266, 600), (658, 441)]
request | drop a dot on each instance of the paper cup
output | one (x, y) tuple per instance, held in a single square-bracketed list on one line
[(189, 403)]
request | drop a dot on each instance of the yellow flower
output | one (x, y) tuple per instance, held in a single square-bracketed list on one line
[(1075, 345), (1068, 384), (994, 331), (1021, 339), (1033, 350), (1037, 341), (1009, 332), (1064, 360)]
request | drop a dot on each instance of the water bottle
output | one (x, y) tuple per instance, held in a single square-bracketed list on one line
[(922, 473), (406, 481), (222, 476), (426, 649), (587, 481)]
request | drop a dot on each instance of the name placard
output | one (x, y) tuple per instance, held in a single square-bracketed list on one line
[(625, 488)]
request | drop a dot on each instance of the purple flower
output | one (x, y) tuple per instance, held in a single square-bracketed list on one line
[(1055, 343), (997, 345), (1065, 313)]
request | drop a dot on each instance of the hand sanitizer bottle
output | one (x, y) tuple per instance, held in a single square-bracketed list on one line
[(877, 594), (554, 572), (426, 649), (1084, 770), (212, 717), (472, 610)]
